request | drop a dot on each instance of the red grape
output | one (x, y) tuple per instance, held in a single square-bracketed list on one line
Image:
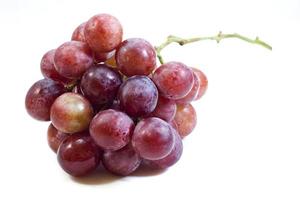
[(121, 162), (103, 33), (136, 56), (71, 113), (153, 138), (165, 109), (78, 155), (72, 59), (48, 69), (138, 96), (174, 80), (100, 84), (40, 98), (171, 158), (193, 93), (111, 129), (186, 119), (203, 83), (78, 34), (55, 137)]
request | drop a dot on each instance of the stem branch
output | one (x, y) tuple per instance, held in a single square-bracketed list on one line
[(220, 36)]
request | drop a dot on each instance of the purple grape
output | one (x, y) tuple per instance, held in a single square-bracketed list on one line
[(100, 84), (121, 162), (55, 137), (78, 155), (153, 138), (138, 96), (40, 98), (165, 109)]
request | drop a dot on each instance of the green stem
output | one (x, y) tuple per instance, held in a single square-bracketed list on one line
[(220, 36)]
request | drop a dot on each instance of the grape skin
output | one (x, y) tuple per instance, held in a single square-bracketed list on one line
[(174, 80), (193, 93), (40, 98), (103, 33), (100, 84), (55, 137), (71, 113), (72, 59), (203, 83), (136, 56), (138, 96), (153, 138), (165, 109), (121, 162), (111, 129), (48, 69), (171, 159), (78, 34), (78, 155), (186, 119)]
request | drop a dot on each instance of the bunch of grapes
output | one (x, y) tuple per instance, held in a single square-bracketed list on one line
[(109, 103)]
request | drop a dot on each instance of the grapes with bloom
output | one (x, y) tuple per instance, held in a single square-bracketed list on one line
[(109, 102)]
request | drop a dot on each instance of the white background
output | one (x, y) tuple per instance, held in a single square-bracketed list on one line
[(246, 144)]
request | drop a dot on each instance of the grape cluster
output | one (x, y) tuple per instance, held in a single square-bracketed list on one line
[(108, 101)]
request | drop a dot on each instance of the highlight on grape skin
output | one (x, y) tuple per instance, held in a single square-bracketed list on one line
[(110, 102)]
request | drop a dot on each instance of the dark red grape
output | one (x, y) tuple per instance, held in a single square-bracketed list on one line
[(165, 109), (111, 129), (103, 56), (78, 34), (193, 93), (55, 137), (48, 69), (71, 113), (171, 158), (136, 56), (40, 98), (174, 80), (72, 59), (186, 119), (121, 162), (100, 84), (203, 83), (138, 96), (103, 33), (153, 138), (78, 155)]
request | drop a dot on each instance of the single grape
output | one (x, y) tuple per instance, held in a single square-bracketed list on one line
[(71, 113), (203, 83), (186, 119), (48, 69), (138, 96), (100, 84), (165, 109), (111, 129), (174, 80), (72, 59), (103, 56), (78, 155), (103, 33), (78, 34), (171, 158), (136, 56), (55, 137), (121, 162), (193, 93), (40, 98), (153, 138)]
